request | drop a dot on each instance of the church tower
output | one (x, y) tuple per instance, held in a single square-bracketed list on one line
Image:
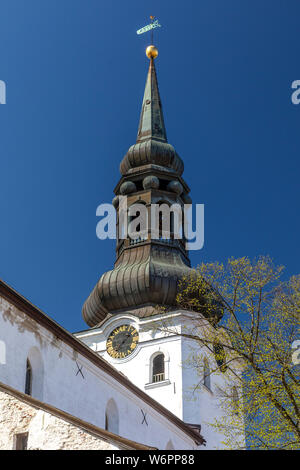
[(147, 269), (123, 310)]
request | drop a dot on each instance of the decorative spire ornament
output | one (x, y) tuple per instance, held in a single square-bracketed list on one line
[(151, 51)]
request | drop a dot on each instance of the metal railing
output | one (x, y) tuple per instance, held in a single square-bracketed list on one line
[(137, 240), (158, 377)]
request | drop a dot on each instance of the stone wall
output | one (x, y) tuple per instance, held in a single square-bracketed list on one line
[(45, 431)]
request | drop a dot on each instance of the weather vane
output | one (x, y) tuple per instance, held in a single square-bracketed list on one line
[(149, 27), (151, 51)]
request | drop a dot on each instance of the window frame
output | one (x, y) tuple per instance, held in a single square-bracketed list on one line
[(21, 441), (149, 368), (163, 374), (28, 378)]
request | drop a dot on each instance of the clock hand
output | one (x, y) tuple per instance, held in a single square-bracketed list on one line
[(127, 336)]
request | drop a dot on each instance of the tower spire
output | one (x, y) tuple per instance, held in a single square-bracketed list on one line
[(151, 124), (147, 269)]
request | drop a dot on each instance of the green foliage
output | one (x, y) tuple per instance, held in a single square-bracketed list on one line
[(252, 343)]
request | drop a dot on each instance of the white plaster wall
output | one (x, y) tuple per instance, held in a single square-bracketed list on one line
[(185, 395), (137, 366), (200, 403), (65, 388)]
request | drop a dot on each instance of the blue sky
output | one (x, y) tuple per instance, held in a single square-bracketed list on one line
[(75, 72)]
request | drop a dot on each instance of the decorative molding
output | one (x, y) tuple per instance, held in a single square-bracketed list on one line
[(157, 384)]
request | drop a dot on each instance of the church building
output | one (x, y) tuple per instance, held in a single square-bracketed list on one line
[(125, 382)]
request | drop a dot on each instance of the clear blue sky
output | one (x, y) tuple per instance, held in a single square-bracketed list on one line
[(75, 72)]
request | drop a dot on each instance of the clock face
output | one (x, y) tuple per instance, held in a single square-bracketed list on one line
[(122, 341)]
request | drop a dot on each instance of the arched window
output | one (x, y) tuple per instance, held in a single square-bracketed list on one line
[(160, 224), (206, 373), (28, 378), (137, 221), (112, 417), (166, 221), (34, 382), (158, 368)]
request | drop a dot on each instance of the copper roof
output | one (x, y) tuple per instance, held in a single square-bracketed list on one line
[(146, 272)]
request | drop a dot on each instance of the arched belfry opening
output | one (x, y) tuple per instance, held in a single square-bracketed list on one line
[(206, 374)]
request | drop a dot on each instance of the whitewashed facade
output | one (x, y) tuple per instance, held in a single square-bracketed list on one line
[(182, 389), (71, 377), (28, 424)]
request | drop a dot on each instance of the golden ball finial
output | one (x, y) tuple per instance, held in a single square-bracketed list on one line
[(151, 52)]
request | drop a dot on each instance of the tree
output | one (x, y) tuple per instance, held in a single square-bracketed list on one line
[(254, 320)]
